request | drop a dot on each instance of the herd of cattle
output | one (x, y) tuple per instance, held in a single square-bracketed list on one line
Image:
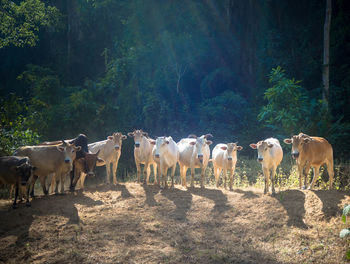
[(51, 162)]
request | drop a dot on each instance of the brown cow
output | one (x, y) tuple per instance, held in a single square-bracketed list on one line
[(311, 151)]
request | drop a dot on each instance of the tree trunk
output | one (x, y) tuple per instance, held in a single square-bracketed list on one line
[(325, 74)]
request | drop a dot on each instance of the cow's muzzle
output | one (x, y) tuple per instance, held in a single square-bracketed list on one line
[(137, 145), (91, 174), (260, 159), (23, 183), (229, 158), (295, 155), (116, 147), (67, 160), (156, 155)]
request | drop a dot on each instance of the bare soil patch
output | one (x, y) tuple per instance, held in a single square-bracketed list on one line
[(132, 223)]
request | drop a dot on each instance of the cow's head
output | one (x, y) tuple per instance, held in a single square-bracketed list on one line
[(25, 170), (200, 143), (232, 149), (160, 143), (91, 160), (298, 142), (138, 135), (263, 149), (117, 140), (69, 150)]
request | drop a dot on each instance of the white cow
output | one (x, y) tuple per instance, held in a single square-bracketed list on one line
[(143, 155), (109, 151), (166, 154), (194, 153), (225, 158), (270, 155)]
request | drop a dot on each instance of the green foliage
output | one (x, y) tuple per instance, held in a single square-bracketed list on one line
[(20, 24), (17, 125)]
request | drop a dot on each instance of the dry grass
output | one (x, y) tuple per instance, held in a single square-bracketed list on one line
[(131, 223)]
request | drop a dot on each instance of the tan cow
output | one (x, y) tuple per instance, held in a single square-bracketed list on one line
[(143, 155), (225, 158), (110, 151), (56, 159), (270, 155), (194, 153), (311, 152)]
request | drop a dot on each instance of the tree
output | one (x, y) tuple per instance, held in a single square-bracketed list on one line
[(326, 33), (19, 24)]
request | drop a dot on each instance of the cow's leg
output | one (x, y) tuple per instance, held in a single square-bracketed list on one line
[(108, 171), (224, 172), (53, 183), (203, 176), (14, 205), (266, 176), (231, 172), (307, 172), (316, 174), (82, 180), (43, 184), (147, 172), (72, 174), (27, 193), (32, 184), (192, 176), (115, 167), (63, 178), (183, 171), (273, 173), (330, 170), (138, 172), (300, 169), (172, 175), (216, 175), (157, 174)]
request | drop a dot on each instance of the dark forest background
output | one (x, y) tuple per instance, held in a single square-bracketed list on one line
[(241, 70)]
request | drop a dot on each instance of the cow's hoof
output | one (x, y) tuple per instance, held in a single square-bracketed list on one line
[(273, 194), (303, 187), (231, 189), (309, 188), (28, 204), (46, 192), (14, 206)]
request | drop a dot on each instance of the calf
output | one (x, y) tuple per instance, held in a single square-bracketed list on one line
[(194, 153), (311, 152), (166, 154), (85, 167), (270, 155), (49, 159), (143, 155), (225, 158), (16, 171), (109, 151)]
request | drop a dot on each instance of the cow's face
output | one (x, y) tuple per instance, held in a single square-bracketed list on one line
[(263, 149), (298, 142), (117, 140), (232, 149), (91, 160), (69, 150), (138, 135), (25, 170), (160, 143), (200, 144)]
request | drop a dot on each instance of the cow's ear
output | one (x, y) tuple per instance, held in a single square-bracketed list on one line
[(306, 140), (110, 137), (124, 137), (145, 134), (223, 147), (193, 143), (130, 134), (153, 142), (97, 152), (34, 168), (60, 148), (253, 146), (100, 162), (77, 148), (288, 140), (239, 148), (270, 145), (209, 142)]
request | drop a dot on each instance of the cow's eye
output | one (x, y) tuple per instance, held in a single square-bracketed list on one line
[(265, 149)]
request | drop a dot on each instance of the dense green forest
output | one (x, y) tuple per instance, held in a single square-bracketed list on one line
[(241, 70)]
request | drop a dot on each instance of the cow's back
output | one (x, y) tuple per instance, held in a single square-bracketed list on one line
[(8, 166), (317, 151), (105, 147)]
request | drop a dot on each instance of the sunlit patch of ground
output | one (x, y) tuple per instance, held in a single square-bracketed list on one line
[(132, 223)]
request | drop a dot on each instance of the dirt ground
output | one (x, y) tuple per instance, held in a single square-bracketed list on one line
[(133, 223)]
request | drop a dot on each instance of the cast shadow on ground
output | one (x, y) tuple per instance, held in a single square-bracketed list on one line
[(181, 199), (247, 194), (294, 202), (330, 202), (124, 192)]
